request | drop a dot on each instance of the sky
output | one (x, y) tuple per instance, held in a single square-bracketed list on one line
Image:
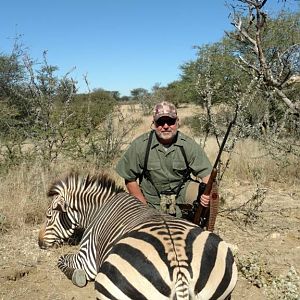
[(118, 45)]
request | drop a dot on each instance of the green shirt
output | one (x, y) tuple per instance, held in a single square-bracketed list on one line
[(166, 165)]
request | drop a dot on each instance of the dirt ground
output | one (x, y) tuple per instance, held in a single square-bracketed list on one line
[(271, 242)]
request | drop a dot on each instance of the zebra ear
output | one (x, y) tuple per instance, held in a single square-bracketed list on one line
[(60, 205)]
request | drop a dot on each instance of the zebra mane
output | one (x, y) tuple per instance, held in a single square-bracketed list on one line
[(83, 182)]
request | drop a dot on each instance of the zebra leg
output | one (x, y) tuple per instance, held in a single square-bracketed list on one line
[(67, 266)]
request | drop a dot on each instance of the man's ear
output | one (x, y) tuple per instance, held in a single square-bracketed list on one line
[(152, 126)]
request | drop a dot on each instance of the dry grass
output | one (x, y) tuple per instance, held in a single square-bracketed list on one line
[(251, 163), (21, 197)]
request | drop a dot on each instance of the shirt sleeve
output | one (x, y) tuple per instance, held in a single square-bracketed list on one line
[(199, 162)]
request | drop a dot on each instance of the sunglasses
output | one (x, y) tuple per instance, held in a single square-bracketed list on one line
[(163, 121)]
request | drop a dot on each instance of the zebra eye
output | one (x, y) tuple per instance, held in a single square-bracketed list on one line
[(49, 213)]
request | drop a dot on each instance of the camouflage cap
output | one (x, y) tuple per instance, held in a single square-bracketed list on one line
[(164, 109)]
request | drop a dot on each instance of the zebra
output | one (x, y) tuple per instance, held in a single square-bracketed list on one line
[(130, 250)]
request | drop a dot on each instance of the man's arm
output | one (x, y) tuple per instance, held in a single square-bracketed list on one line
[(134, 189)]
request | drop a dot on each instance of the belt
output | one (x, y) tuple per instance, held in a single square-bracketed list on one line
[(168, 193), (185, 206)]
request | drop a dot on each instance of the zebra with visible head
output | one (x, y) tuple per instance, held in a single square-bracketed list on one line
[(133, 251)]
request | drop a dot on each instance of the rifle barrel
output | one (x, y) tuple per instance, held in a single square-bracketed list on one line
[(223, 145)]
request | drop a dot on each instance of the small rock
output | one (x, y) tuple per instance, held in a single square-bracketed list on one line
[(275, 235), (234, 248)]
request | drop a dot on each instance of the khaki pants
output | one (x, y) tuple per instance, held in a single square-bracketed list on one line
[(191, 192)]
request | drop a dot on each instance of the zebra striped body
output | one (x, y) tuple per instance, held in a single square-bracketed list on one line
[(133, 251)]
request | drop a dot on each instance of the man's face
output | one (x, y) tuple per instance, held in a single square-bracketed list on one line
[(166, 129)]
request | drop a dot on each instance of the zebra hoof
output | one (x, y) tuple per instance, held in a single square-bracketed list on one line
[(79, 278)]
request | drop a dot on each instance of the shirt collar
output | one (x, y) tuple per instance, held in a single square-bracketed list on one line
[(179, 140)]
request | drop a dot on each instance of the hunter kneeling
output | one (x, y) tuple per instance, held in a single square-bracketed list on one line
[(157, 166)]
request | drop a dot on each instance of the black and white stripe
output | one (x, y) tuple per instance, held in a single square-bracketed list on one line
[(133, 251)]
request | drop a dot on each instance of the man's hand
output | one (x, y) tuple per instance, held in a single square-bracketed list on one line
[(204, 200)]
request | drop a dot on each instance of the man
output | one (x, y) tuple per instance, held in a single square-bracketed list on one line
[(157, 166)]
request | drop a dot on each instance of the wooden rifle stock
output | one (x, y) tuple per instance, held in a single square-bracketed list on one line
[(202, 212)]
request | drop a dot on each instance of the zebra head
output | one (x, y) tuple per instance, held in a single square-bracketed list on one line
[(61, 219), (75, 200)]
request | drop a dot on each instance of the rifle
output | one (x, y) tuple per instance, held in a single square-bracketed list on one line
[(202, 213)]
